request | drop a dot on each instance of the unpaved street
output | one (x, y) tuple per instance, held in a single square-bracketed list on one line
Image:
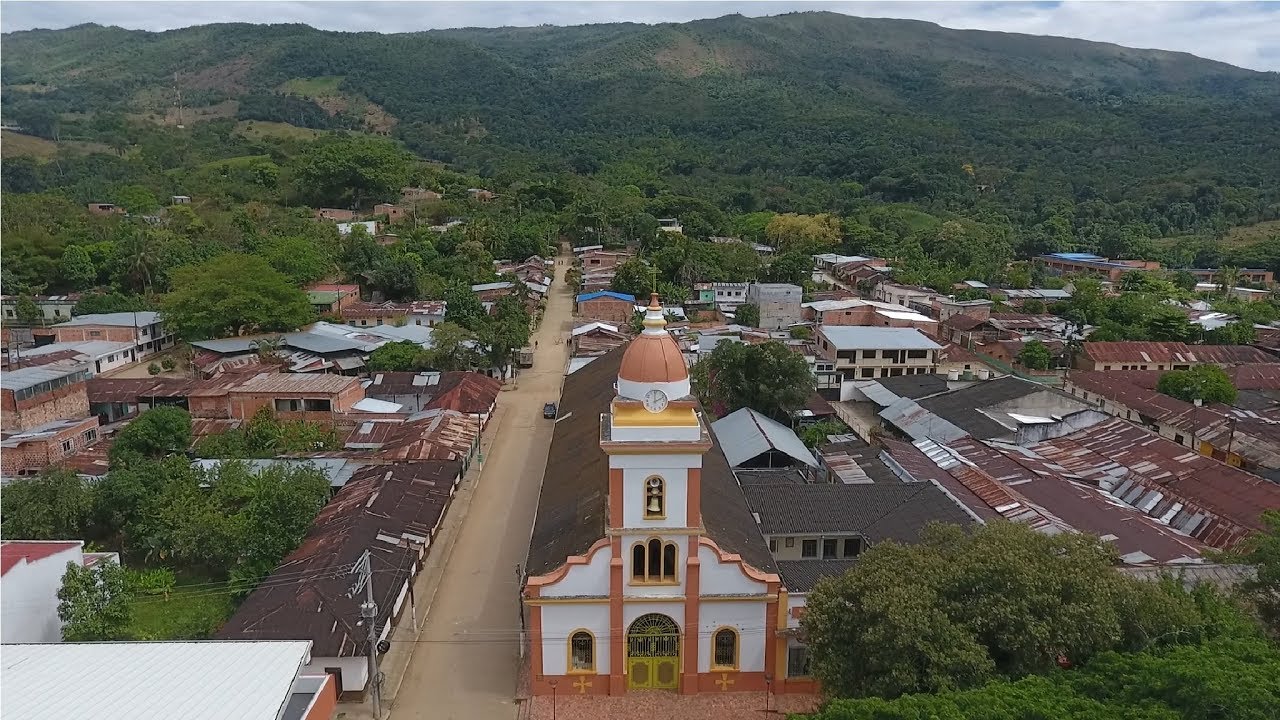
[(464, 663)]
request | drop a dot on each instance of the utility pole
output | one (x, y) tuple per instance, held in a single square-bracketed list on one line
[(177, 93), (369, 616)]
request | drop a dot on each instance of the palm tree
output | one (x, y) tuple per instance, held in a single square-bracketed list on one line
[(1228, 278), (141, 255)]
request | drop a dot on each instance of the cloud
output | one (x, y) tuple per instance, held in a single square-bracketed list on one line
[(1246, 34)]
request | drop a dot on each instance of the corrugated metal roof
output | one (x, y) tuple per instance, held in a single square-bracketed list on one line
[(744, 434), (27, 377), (151, 680), (855, 337), (141, 318)]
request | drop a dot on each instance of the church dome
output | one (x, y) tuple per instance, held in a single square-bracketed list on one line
[(653, 360)]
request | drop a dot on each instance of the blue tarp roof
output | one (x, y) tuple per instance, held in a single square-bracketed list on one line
[(607, 293), (1076, 256)]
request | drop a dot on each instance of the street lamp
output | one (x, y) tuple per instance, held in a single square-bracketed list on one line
[(552, 683)]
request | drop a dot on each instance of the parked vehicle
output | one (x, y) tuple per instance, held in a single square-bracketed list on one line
[(549, 411)]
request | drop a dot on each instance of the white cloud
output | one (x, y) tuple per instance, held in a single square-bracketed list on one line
[(1241, 33)]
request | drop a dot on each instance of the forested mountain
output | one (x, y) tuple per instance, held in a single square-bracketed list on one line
[(1042, 143)]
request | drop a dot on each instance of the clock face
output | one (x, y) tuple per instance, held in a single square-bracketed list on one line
[(655, 401)]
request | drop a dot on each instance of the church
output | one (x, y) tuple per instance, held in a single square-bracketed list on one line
[(646, 567)]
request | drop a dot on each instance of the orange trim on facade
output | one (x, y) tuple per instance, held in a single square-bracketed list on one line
[(693, 500), (771, 638), (692, 592), (617, 649), (746, 569), (559, 573), (615, 497), (535, 641)]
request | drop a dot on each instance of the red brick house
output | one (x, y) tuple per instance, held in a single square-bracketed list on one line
[(606, 306), (28, 452), (394, 213), (335, 215), (35, 396)]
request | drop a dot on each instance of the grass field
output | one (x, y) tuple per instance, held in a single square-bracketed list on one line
[(14, 144), (194, 610), (258, 129), (314, 87), (1236, 236)]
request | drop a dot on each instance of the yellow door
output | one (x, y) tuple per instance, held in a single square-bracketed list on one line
[(653, 653)]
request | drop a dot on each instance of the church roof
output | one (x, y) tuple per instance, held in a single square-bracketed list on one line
[(653, 356), (573, 507)]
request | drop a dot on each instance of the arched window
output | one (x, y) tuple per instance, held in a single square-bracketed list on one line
[(654, 561), (582, 652), (655, 499), (724, 649)]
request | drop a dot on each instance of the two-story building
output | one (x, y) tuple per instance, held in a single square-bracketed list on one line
[(53, 308), (1248, 276), (868, 313), (1078, 263), (606, 306), (145, 330), (30, 451), (867, 353), (779, 304), (332, 298)]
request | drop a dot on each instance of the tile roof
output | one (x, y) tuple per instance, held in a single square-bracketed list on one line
[(391, 510), (877, 511), (151, 680), (800, 576), (573, 506), (13, 552)]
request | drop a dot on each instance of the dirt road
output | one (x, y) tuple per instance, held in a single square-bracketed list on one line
[(464, 663)]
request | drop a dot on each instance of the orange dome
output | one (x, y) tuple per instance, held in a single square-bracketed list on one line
[(653, 358)]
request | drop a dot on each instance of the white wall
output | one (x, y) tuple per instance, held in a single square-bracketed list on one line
[(29, 598), (355, 670), (674, 469), (559, 622), (589, 579), (748, 618), (724, 578)]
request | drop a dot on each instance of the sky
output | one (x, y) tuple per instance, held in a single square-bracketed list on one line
[(1246, 34)]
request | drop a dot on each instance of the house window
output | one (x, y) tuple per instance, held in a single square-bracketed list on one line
[(917, 354), (809, 549), (67, 445), (582, 652), (653, 562), (1178, 439), (57, 312), (89, 435), (315, 405), (95, 333), (288, 405), (869, 354), (655, 507), (724, 649), (8, 313), (773, 545), (868, 372), (852, 546), (791, 542), (829, 546), (797, 661)]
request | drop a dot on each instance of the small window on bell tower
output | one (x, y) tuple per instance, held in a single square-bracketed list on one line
[(655, 501)]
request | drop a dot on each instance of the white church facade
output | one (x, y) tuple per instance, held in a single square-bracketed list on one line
[(646, 569)]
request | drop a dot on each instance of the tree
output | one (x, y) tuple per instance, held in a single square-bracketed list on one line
[(233, 295), (398, 356), (76, 268), (1035, 355), (633, 277), (962, 608), (1034, 306), (747, 314), (452, 348), (300, 258), (767, 378), (816, 434), (463, 308), (1239, 332), (1263, 590), (352, 169), (55, 505), (27, 311), (1228, 279), (110, 302), (95, 603), (155, 434), (790, 267), (399, 277), (805, 234), (1208, 383), (1226, 678)]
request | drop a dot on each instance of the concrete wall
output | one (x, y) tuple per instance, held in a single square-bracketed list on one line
[(355, 671)]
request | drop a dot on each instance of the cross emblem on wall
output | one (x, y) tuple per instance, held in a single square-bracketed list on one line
[(582, 684), (724, 682)]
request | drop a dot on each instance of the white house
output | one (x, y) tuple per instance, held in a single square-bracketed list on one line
[(30, 576), (370, 226)]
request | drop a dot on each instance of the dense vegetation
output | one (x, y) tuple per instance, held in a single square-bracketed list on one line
[(952, 151)]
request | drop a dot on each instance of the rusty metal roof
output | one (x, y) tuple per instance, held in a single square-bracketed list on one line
[(1174, 352)]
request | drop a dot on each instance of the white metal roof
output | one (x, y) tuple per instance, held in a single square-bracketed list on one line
[(210, 680), (857, 337), (904, 315), (594, 326), (142, 318), (92, 348), (745, 433), (377, 406)]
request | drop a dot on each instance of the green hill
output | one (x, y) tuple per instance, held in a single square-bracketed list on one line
[(796, 112)]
